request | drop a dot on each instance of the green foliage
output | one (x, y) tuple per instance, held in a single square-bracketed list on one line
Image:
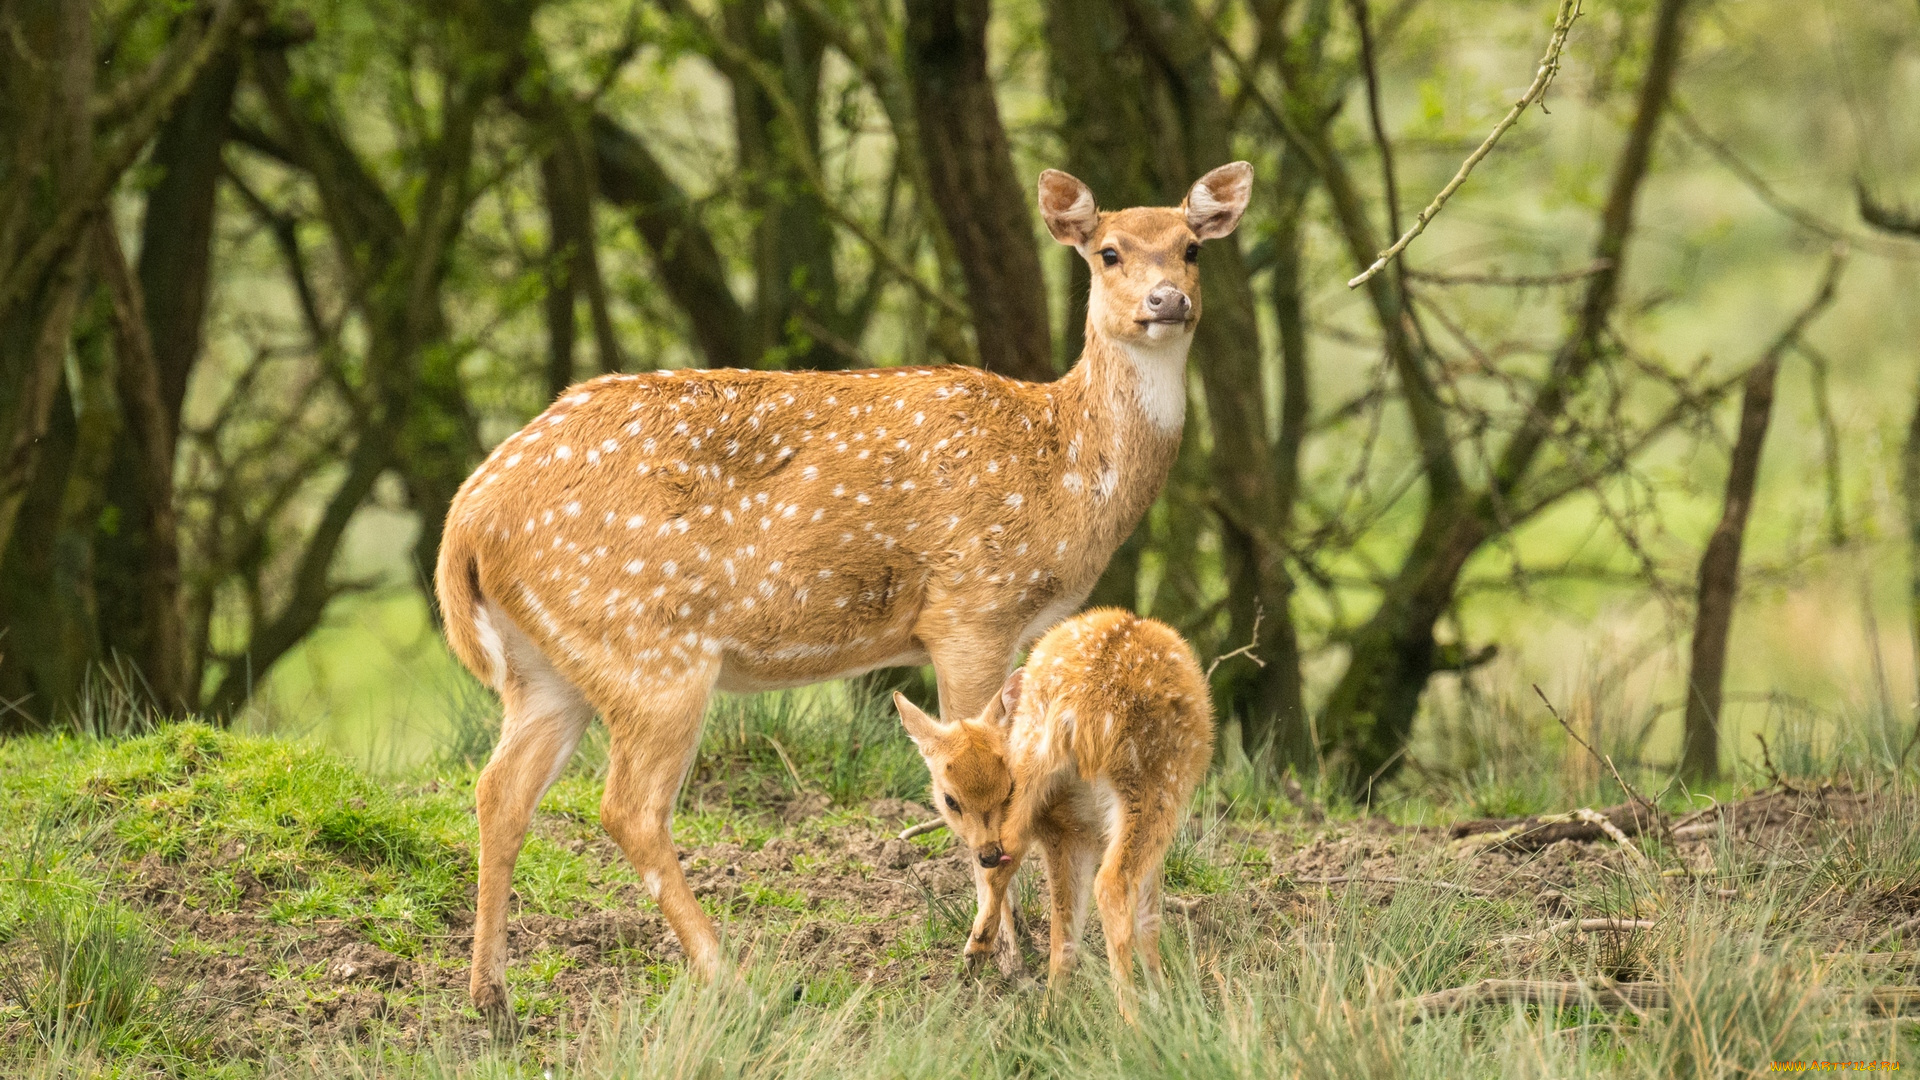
[(334, 843), (78, 970), (89, 972), (850, 747)]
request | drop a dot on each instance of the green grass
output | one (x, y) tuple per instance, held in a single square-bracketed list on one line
[(102, 975)]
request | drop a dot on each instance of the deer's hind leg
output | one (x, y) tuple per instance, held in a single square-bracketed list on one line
[(654, 734), (544, 717), (1072, 858), (1127, 882), (1146, 923)]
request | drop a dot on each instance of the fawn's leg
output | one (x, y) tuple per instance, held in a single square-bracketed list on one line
[(970, 668), (1072, 858), (1128, 885), (1146, 921), (993, 931), (544, 717), (1134, 852), (654, 736)]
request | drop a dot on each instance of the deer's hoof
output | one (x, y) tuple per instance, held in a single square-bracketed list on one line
[(497, 1010), (1008, 958), (977, 957)]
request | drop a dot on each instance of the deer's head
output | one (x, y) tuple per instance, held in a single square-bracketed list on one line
[(972, 784), (1145, 260)]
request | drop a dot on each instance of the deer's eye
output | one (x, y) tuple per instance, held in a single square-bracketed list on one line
[(951, 805), (1110, 256), (1193, 252)]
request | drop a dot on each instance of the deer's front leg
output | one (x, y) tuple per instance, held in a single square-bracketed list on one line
[(993, 932)]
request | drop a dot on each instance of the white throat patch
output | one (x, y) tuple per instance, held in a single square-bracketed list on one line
[(1160, 374)]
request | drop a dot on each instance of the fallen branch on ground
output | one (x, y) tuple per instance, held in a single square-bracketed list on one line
[(1540, 830), (1342, 879), (923, 828), (1583, 926), (1598, 821), (1632, 997)]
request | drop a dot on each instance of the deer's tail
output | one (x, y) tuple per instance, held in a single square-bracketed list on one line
[(464, 613)]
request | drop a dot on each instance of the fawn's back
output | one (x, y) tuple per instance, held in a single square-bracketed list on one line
[(1117, 701)]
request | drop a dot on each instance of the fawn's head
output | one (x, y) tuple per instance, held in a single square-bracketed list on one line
[(972, 784), (1145, 260)]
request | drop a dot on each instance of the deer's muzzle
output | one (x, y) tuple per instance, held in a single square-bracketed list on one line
[(1165, 304)]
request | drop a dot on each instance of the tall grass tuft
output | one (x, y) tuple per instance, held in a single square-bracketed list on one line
[(850, 745), (88, 972)]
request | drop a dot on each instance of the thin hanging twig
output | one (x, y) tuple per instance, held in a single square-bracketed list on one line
[(1542, 78)]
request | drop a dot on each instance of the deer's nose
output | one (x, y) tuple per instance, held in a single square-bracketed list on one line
[(1166, 303), (991, 856)]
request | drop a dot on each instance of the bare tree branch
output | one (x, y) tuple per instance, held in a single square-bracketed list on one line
[(1542, 78)]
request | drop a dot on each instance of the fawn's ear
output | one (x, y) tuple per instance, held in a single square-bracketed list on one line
[(1066, 205), (999, 712), (924, 730), (1007, 702), (1217, 200)]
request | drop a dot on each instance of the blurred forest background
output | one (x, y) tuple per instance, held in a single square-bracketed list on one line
[(274, 276)]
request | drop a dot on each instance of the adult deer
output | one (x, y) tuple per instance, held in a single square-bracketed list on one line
[(651, 538)]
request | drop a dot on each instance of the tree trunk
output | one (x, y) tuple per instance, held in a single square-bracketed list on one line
[(138, 562), (1369, 715), (975, 191), (684, 253), (1910, 478), (46, 152), (1720, 581), (1226, 353), (1282, 717), (796, 294), (139, 581), (1102, 91), (176, 230), (558, 188)]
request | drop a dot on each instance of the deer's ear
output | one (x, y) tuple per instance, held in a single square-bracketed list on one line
[(1067, 206), (1000, 710), (924, 730), (1217, 200), (1008, 702)]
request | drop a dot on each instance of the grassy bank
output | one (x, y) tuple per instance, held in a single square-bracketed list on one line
[(197, 903)]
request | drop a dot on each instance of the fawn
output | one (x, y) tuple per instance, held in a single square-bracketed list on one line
[(1093, 750), (651, 538)]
